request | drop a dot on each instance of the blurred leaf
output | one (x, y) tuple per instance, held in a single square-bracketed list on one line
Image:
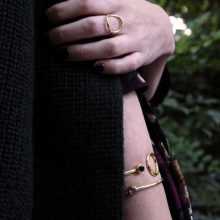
[(190, 115)]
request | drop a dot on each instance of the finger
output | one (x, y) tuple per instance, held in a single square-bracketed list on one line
[(103, 49), (93, 26), (76, 8), (126, 64)]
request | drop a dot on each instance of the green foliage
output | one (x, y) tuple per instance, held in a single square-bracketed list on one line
[(190, 115)]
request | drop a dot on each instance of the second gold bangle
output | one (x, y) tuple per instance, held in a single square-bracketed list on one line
[(154, 172), (132, 190)]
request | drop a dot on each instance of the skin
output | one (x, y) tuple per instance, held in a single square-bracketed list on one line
[(145, 43), (150, 204)]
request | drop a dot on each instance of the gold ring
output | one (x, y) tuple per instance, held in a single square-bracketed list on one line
[(107, 25), (137, 169), (154, 172), (131, 190)]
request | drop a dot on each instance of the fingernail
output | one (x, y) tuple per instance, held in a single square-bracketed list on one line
[(99, 67), (62, 54)]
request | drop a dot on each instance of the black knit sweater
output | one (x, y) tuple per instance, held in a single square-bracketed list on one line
[(61, 127), (16, 108), (61, 136)]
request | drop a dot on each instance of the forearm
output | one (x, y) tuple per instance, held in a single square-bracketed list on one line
[(137, 144)]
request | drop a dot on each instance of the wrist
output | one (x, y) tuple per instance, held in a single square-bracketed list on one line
[(152, 74)]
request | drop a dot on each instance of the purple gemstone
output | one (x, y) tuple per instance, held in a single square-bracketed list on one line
[(132, 190)]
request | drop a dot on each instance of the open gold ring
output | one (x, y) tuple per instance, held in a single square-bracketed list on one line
[(154, 172), (108, 27)]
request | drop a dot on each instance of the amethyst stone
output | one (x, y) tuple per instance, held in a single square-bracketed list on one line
[(132, 190)]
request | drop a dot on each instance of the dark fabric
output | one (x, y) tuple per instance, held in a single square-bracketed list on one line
[(16, 108), (78, 137), (131, 81), (60, 117)]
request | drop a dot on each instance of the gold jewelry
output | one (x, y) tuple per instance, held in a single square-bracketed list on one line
[(137, 169), (154, 172), (131, 190), (107, 26)]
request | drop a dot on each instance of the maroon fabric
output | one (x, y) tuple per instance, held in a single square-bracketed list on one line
[(131, 81), (169, 186)]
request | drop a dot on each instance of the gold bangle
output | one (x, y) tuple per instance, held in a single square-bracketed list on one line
[(137, 169), (154, 172), (132, 190)]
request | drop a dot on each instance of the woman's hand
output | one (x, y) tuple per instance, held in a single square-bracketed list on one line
[(146, 34)]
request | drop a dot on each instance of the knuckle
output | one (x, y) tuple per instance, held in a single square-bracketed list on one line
[(58, 34), (112, 48), (78, 52), (120, 4), (56, 12), (91, 26), (84, 5), (114, 68)]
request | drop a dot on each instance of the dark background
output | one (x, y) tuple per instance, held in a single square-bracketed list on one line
[(190, 115)]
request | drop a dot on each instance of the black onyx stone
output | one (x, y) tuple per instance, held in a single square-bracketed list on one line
[(141, 168)]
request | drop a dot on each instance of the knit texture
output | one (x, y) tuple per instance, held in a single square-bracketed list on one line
[(61, 135), (16, 101), (78, 136)]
